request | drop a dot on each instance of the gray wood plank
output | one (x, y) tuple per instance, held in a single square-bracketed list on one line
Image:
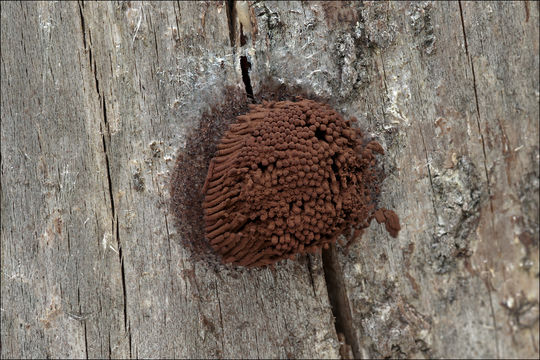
[(99, 98)]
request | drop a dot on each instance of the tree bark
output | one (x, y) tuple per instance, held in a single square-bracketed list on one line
[(98, 98)]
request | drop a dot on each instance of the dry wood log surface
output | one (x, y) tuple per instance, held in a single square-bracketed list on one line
[(99, 98)]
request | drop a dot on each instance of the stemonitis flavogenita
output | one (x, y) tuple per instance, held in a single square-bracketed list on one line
[(288, 178)]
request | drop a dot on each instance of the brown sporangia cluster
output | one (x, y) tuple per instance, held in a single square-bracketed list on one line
[(289, 178)]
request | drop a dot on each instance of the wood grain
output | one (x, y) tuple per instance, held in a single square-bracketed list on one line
[(99, 98)]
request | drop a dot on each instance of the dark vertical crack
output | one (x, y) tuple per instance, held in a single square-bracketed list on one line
[(481, 137), (231, 16), (156, 47), (85, 341), (82, 24), (105, 132), (114, 220), (469, 59), (337, 294), (168, 243), (243, 39), (245, 65), (96, 80), (123, 274), (176, 15), (129, 338), (110, 350), (463, 29), (107, 159)]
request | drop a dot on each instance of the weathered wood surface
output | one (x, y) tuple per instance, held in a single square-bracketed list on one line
[(97, 98)]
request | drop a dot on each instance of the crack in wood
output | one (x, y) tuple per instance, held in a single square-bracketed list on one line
[(245, 65), (470, 60), (68, 242), (85, 342), (110, 349), (231, 15), (168, 244), (82, 25), (176, 15), (107, 156), (114, 218), (129, 339), (123, 274), (337, 295), (482, 138), (463, 29), (485, 165)]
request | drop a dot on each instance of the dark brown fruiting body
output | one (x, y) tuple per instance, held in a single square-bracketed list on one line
[(289, 178)]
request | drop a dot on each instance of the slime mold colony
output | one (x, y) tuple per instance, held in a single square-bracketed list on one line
[(289, 178)]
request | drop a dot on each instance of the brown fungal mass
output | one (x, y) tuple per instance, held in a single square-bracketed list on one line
[(289, 178)]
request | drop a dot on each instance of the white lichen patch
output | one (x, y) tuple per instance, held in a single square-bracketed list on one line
[(399, 92)]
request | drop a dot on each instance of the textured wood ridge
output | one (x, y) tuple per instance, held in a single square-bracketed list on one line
[(99, 99)]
